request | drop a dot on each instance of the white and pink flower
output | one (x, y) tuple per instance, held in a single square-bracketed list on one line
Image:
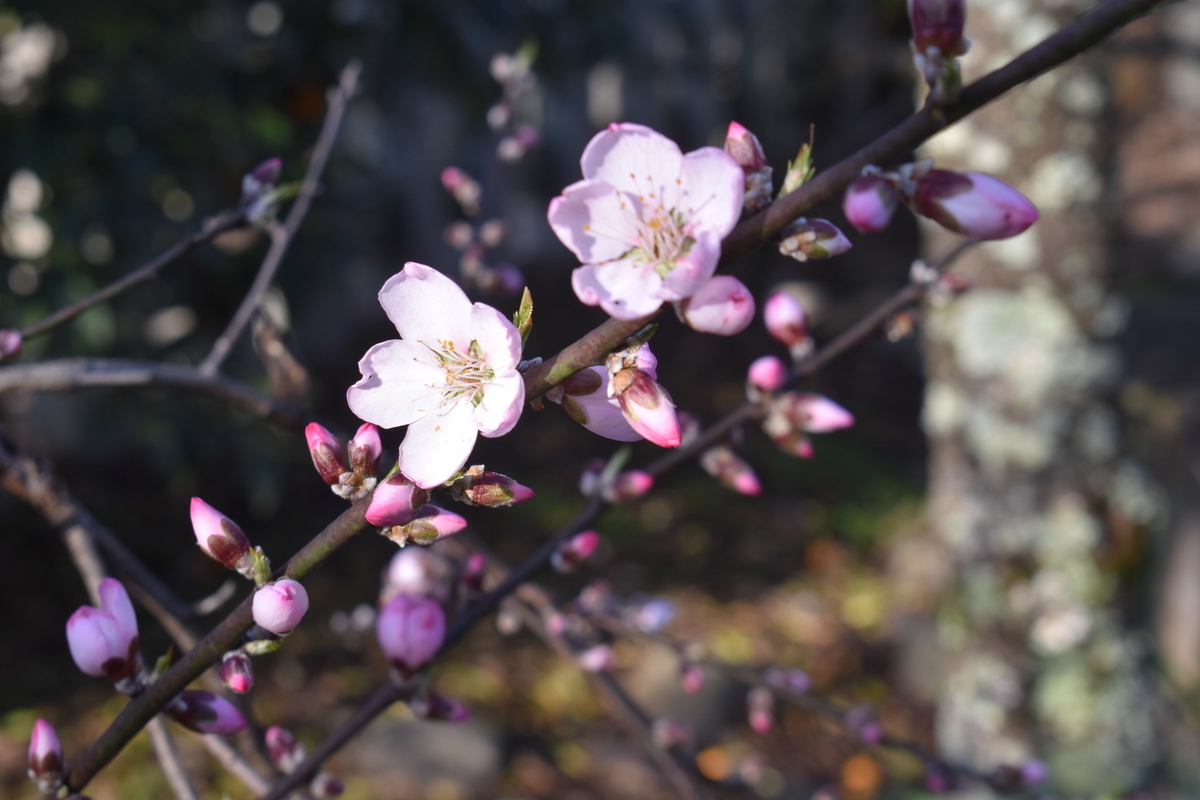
[(450, 376), (646, 221)]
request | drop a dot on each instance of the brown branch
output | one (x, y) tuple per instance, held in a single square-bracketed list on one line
[(281, 236), (168, 757)]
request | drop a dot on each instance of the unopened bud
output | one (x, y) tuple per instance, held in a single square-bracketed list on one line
[(785, 319), (816, 413), (692, 678), (938, 23), (326, 453), (410, 631), (869, 203), (326, 785), (760, 709), (807, 239), (365, 450), (767, 374), (45, 756), (730, 470), (646, 406), (395, 502), (974, 204), (283, 748), (10, 344), (104, 641), (473, 573), (237, 673), (479, 488), (439, 707), (429, 525), (723, 306), (629, 485), (418, 571), (596, 598), (459, 234), (219, 537), (748, 152), (599, 658), (464, 188), (205, 712), (280, 606), (589, 478), (573, 552)]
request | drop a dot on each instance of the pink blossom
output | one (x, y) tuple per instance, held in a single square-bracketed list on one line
[(418, 572), (647, 221), (973, 204), (103, 641), (647, 407), (411, 631), (869, 203), (723, 306), (45, 755), (205, 712), (767, 374), (451, 376), (365, 449), (326, 452), (785, 319), (395, 502), (280, 606), (218, 536), (237, 672), (587, 399)]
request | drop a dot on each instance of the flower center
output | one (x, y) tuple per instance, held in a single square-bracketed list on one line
[(466, 373), (661, 237)]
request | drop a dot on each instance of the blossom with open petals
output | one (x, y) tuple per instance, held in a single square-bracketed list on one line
[(646, 221), (451, 375)]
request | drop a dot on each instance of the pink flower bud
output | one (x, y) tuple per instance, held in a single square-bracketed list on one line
[(439, 707), (205, 712), (723, 306), (489, 489), (647, 407), (767, 374), (733, 473), (430, 524), (599, 658), (630, 486), (365, 449), (973, 204), (807, 239), (280, 606), (693, 678), (283, 748), (760, 706), (268, 172), (411, 631), (817, 414), (419, 572), (745, 148), (473, 573), (326, 785), (237, 673), (869, 203), (938, 23), (326, 453), (453, 178), (395, 502), (785, 319), (573, 552), (218, 536), (103, 641), (10, 344), (45, 756)]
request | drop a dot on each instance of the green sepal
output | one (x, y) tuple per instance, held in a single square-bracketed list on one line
[(523, 318), (262, 567), (260, 647)]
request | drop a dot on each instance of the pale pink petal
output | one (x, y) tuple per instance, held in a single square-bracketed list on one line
[(604, 416), (424, 304), (713, 187), (503, 401), (595, 221), (497, 337), (437, 445), (402, 382), (94, 639), (115, 601), (624, 289), (637, 160), (693, 270)]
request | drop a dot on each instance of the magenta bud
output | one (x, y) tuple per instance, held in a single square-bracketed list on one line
[(730, 470), (973, 204), (723, 306), (10, 344), (785, 319), (280, 606), (598, 658), (818, 414), (869, 203), (647, 407), (429, 525), (745, 148), (439, 707), (283, 748), (767, 374), (237, 673), (938, 23), (489, 489), (395, 502), (268, 172), (326, 785), (473, 573), (807, 239), (326, 453), (411, 631), (416, 571), (454, 178), (103, 641), (630, 485), (218, 536), (45, 756), (364, 450), (760, 709), (693, 678), (205, 712), (573, 552)]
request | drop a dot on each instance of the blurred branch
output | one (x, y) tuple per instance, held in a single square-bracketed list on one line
[(79, 373), (282, 235), (213, 227), (168, 757), (233, 761)]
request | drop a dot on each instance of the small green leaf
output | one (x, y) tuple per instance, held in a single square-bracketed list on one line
[(523, 319), (799, 171), (475, 350)]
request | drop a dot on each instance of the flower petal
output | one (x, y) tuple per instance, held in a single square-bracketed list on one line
[(693, 270), (115, 601), (497, 337), (604, 416), (713, 188), (402, 382), (503, 401), (637, 160), (595, 221), (624, 289), (437, 445), (424, 304)]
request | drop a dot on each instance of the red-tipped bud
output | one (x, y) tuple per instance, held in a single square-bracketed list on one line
[(938, 23), (411, 631), (573, 552), (760, 709), (732, 472), (479, 488), (598, 658), (10, 344), (205, 712), (816, 413), (45, 756), (430, 524), (647, 407), (973, 204), (326, 453), (629, 485), (419, 572), (869, 203), (103, 641), (785, 319), (692, 678), (280, 606), (396, 502), (767, 374), (283, 748), (807, 239), (365, 449), (219, 537), (744, 147), (268, 172), (723, 306), (439, 707), (326, 785), (473, 573), (237, 673)]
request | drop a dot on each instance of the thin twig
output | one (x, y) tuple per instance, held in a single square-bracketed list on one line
[(233, 761), (168, 757), (214, 227), (281, 236)]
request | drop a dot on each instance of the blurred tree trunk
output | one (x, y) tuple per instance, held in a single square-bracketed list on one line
[(1029, 492)]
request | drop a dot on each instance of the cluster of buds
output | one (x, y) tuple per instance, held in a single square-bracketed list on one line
[(472, 242), (723, 306), (45, 757), (237, 672), (514, 73), (812, 239), (396, 502), (787, 322), (426, 527), (205, 712), (574, 551), (586, 398), (644, 403), (261, 192), (351, 477), (477, 487), (937, 41), (972, 204), (104, 641), (10, 344), (280, 606), (288, 754), (748, 152), (411, 630), (794, 415), (221, 539), (730, 470), (463, 188)]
